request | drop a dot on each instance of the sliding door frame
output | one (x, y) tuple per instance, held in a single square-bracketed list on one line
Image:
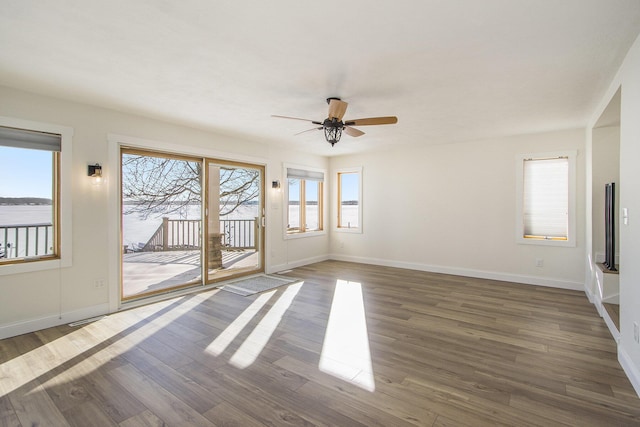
[(261, 219), (156, 153)]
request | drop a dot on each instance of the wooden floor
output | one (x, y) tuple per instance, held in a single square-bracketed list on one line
[(437, 350)]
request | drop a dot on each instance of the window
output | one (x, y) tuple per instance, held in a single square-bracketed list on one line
[(546, 199), (30, 208), (349, 200), (304, 200), (312, 190)]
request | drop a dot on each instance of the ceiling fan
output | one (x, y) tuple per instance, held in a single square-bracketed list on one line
[(333, 124)]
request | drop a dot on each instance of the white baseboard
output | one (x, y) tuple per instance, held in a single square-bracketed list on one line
[(597, 302), (589, 292), (610, 325), (630, 369), (481, 274), (32, 325), (294, 264)]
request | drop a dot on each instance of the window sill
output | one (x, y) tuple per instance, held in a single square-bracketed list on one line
[(302, 235), (33, 266), (546, 242), (354, 230)]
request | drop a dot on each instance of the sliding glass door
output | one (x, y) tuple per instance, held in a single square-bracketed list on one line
[(235, 208), (161, 223), (165, 216)]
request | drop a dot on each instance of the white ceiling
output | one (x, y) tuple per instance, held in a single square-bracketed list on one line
[(453, 70)]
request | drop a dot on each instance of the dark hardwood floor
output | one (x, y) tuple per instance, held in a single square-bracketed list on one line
[(354, 345)]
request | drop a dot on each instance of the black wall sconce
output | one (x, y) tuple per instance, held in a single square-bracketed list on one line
[(95, 172)]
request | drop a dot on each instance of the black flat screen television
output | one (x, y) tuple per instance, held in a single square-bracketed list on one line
[(609, 226)]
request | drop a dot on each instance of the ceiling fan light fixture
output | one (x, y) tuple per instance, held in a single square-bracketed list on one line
[(332, 134), (333, 125)]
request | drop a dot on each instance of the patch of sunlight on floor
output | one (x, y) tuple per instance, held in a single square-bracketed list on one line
[(345, 350), (123, 334), (259, 337), (222, 341)]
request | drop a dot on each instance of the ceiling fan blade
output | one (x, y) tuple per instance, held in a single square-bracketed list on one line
[(337, 108), (308, 130), (297, 118), (353, 131), (389, 120)]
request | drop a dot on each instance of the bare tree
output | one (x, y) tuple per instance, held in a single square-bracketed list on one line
[(161, 186), (237, 187)]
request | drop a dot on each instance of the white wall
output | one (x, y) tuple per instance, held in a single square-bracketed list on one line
[(452, 209), (628, 80), (35, 300)]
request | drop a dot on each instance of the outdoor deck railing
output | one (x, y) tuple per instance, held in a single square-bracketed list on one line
[(238, 233), (26, 240), (184, 234), (175, 234)]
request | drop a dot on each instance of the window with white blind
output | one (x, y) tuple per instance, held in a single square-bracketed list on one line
[(546, 199), (304, 197), (34, 203)]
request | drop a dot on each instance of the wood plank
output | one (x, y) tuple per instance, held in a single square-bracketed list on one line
[(225, 414), (87, 414), (254, 401), (354, 408), (281, 396), (184, 388), (144, 419), (160, 401), (406, 409), (114, 399), (8, 417), (34, 407)]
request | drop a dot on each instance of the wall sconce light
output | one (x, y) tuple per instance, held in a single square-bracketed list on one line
[(95, 172), (275, 185)]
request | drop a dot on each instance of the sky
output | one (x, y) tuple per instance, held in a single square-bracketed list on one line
[(25, 173), (349, 188)]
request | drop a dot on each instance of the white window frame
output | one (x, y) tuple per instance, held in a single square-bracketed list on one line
[(358, 229), (322, 214), (64, 258), (571, 227)]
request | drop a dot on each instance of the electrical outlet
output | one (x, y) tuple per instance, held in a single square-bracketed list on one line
[(98, 283), (539, 262), (636, 332)]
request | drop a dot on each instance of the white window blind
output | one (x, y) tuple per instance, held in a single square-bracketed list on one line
[(20, 138), (305, 174), (546, 198)]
